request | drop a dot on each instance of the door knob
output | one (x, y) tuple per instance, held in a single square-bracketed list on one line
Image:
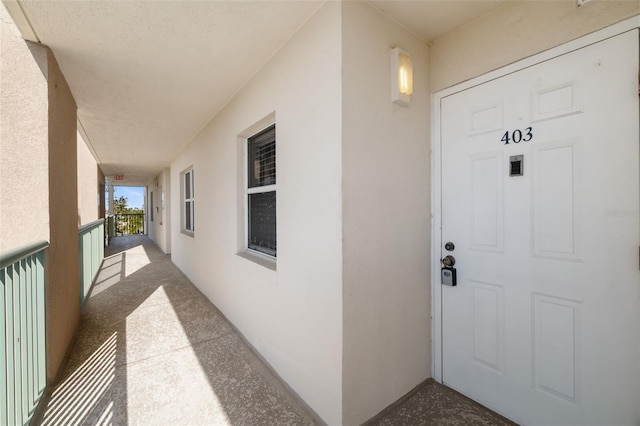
[(448, 261)]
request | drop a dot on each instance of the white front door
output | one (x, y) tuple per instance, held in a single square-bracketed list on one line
[(540, 197)]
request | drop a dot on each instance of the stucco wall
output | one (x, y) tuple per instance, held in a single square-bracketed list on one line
[(516, 30), (24, 150), (292, 316), (38, 175), (63, 307), (88, 175), (160, 227), (386, 218)]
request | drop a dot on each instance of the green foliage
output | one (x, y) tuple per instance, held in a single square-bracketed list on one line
[(128, 220), (120, 206)]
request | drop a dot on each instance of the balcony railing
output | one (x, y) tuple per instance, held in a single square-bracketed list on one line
[(91, 247), (129, 223), (22, 333)]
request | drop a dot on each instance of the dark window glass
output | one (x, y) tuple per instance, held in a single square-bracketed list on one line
[(262, 158), (187, 185), (262, 222), (187, 216), (188, 201)]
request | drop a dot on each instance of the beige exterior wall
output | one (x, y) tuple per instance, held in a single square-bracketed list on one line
[(160, 227), (386, 228), (38, 176), (292, 316), (516, 30), (63, 307), (24, 146), (88, 184)]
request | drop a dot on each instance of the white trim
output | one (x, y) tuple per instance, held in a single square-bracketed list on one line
[(259, 127), (262, 258), (242, 169), (436, 165), (245, 184), (20, 18), (183, 200), (261, 189), (262, 124), (436, 239)]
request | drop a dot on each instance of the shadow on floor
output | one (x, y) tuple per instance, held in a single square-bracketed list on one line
[(151, 349)]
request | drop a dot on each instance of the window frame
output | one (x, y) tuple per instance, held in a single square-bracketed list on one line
[(257, 190), (184, 175), (151, 207)]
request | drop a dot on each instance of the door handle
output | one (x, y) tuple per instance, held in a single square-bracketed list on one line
[(448, 261)]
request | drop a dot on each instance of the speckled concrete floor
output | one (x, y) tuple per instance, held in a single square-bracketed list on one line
[(437, 405), (152, 350)]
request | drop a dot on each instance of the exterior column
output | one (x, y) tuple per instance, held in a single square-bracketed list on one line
[(110, 197)]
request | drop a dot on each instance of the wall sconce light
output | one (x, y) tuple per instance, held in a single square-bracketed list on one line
[(401, 76)]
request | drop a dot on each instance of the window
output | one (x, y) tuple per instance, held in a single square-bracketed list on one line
[(151, 206), (261, 192), (187, 190)]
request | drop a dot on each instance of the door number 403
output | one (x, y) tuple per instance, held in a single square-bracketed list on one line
[(517, 136)]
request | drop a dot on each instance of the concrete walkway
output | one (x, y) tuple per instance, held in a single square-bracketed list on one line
[(152, 350)]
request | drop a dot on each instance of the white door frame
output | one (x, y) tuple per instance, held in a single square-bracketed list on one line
[(436, 188)]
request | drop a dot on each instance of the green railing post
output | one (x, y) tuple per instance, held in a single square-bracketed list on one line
[(40, 324), (91, 249), (11, 385), (22, 347), (3, 357), (15, 334), (29, 403), (22, 331)]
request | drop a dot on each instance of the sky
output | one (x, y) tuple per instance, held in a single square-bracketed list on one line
[(134, 195)]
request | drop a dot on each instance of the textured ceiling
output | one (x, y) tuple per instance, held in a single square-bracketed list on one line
[(148, 75)]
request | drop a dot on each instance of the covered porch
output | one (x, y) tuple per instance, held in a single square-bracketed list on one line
[(333, 296)]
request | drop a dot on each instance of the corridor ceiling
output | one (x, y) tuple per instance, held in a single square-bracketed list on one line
[(147, 76)]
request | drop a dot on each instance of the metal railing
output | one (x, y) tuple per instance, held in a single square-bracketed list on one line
[(129, 223), (23, 373), (91, 249)]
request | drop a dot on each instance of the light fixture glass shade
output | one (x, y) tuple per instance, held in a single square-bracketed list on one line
[(405, 74), (401, 77)]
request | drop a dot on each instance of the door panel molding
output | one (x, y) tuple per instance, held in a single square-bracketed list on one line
[(436, 169)]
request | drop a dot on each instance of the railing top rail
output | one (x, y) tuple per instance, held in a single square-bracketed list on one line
[(12, 256), (128, 214), (90, 226)]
